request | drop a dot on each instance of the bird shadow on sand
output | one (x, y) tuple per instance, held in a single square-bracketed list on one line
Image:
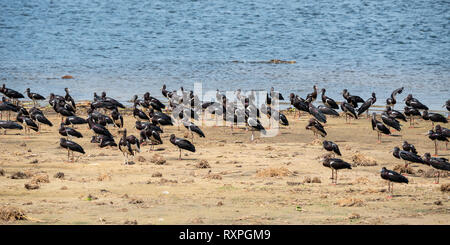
[(158, 149), (396, 135), (182, 159)]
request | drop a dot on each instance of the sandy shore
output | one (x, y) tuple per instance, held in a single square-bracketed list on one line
[(237, 188)]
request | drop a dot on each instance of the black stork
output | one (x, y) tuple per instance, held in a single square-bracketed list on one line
[(390, 121), (395, 114), (11, 93), (75, 120), (438, 163), (406, 156), (444, 131), (275, 114), (38, 115), (415, 103), (391, 177), (298, 103), (71, 147), (129, 145), (67, 131), (142, 125), (62, 110), (411, 112), (255, 125), (117, 118), (316, 113), (98, 129), (9, 125), (436, 136), (312, 96), (379, 127), (154, 102), (150, 133), (327, 110), (348, 110), (367, 104), (111, 100), (138, 114), (409, 147), (160, 118), (276, 95), (34, 96), (192, 128), (335, 164), (316, 127), (141, 103), (391, 101), (352, 99), (165, 92), (332, 147), (8, 106), (329, 101), (27, 122), (433, 117), (69, 98), (103, 141), (181, 144)]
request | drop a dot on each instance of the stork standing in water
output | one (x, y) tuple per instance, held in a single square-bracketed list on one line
[(71, 147), (391, 177), (182, 144), (128, 145)]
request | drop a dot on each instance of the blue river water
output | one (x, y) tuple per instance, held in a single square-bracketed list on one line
[(129, 47)]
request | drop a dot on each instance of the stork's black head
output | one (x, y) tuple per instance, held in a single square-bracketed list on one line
[(103, 94)]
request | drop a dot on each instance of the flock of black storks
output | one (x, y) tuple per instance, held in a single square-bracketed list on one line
[(185, 106)]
